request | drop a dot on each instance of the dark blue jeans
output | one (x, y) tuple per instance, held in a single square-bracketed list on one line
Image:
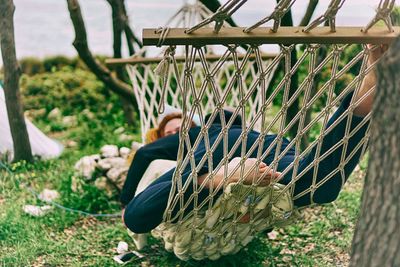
[(144, 212)]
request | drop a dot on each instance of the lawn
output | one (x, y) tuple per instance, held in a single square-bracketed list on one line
[(61, 238)]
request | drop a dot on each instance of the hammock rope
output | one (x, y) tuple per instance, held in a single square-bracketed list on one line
[(231, 214), (280, 10), (329, 16), (383, 12)]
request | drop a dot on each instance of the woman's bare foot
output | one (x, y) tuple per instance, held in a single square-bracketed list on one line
[(252, 173)]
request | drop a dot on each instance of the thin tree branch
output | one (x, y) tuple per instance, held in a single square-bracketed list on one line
[(81, 45), (213, 5), (312, 5)]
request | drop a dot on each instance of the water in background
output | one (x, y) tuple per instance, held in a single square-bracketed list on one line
[(43, 27)]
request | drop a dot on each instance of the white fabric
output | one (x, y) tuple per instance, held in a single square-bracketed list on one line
[(41, 145), (170, 109), (156, 168)]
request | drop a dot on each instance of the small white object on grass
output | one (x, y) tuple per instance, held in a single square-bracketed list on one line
[(136, 145), (124, 152), (86, 166), (122, 247), (115, 174), (109, 151), (54, 114), (108, 163), (119, 130), (37, 211), (48, 195), (69, 121), (125, 137)]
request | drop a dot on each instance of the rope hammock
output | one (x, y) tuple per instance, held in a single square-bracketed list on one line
[(218, 224)]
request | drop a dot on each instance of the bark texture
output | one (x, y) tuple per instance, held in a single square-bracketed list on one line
[(12, 72), (119, 24), (376, 240)]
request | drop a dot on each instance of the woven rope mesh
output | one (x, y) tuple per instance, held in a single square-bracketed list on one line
[(271, 120), (332, 73), (148, 88), (316, 99)]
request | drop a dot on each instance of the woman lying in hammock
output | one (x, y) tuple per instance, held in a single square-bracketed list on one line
[(145, 211)]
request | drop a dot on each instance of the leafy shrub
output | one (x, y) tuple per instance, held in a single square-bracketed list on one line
[(32, 66), (70, 90)]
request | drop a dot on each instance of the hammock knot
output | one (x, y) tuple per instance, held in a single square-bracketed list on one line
[(219, 106), (163, 31), (209, 77), (188, 72)]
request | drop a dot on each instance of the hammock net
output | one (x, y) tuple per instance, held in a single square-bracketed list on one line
[(330, 69)]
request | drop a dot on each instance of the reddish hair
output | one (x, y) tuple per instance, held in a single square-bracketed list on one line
[(165, 120)]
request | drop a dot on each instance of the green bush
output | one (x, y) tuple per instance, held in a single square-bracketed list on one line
[(70, 90), (58, 62), (32, 66)]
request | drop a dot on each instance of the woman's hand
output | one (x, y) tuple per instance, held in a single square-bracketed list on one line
[(369, 81), (377, 53)]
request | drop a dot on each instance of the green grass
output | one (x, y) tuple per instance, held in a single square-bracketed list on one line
[(321, 238)]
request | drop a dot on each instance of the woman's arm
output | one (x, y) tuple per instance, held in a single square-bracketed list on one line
[(368, 83), (164, 148)]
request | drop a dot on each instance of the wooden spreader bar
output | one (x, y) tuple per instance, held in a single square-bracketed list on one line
[(263, 35), (113, 62)]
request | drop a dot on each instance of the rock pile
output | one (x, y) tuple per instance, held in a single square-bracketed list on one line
[(108, 169)]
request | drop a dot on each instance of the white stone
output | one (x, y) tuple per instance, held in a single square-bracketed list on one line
[(86, 166), (135, 146), (108, 163), (54, 114), (71, 143), (125, 137), (76, 184), (124, 152), (69, 121), (37, 211), (114, 174), (88, 113), (48, 195), (122, 247), (103, 184), (33, 113), (119, 130), (109, 151)]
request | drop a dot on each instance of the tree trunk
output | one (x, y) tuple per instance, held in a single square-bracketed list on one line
[(12, 72), (377, 237), (120, 20)]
